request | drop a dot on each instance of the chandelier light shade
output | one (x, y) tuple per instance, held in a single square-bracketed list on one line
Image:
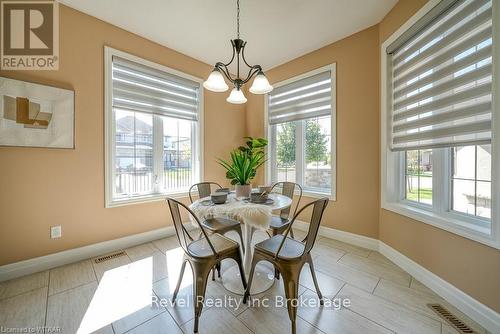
[(216, 82), (260, 84), (236, 97)]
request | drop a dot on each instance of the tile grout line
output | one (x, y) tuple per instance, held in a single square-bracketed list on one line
[(72, 288), (376, 285), (46, 304), (25, 292), (363, 316)]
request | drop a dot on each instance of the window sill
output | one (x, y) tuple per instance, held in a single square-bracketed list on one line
[(145, 199), (317, 194), (449, 223)]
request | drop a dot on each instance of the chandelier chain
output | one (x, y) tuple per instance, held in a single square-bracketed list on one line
[(238, 18)]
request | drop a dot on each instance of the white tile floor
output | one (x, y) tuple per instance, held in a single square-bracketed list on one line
[(115, 297)]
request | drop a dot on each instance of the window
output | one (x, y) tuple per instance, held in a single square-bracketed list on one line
[(152, 135), (438, 119), (301, 116)]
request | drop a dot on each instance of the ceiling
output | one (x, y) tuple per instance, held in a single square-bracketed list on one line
[(276, 30)]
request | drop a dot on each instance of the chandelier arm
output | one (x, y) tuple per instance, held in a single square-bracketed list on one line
[(246, 63), (223, 68), (254, 70), (232, 58)]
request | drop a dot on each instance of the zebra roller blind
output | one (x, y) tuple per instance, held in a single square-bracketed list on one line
[(441, 80), (145, 89), (302, 99)]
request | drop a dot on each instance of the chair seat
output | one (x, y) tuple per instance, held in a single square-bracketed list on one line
[(278, 223), (291, 249), (200, 248), (220, 225)]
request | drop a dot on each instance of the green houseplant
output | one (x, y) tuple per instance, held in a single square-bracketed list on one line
[(243, 165)]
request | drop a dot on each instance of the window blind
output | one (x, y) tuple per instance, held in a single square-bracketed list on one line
[(144, 89), (441, 87), (306, 98)]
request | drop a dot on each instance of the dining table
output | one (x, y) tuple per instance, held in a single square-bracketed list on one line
[(252, 216)]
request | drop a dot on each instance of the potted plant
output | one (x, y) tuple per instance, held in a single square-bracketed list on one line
[(242, 167)]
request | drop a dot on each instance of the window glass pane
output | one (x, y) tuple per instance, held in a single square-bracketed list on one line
[(133, 153), (285, 151), (318, 167), (177, 154), (472, 182), (425, 170), (419, 176), (464, 196), (484, 162), (483, 205), (463, 162)]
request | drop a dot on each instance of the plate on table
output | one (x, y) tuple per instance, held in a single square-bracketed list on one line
[(269, 201), (208, 202)]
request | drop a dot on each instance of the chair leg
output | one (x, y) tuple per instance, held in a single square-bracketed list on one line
[(255, 260), (313, 274), (291, 283), (291, 233), (241, 239), (176, 291), (213, 272), (200, 276), (238, 259), (218, 267)]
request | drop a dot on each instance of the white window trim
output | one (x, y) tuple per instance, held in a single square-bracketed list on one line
[(390, 163), (109, 130), (268, 165)]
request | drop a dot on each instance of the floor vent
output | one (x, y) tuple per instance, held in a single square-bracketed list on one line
[(109, 257), (451, 318)]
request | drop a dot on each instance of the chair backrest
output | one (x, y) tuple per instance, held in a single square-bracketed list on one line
[(204, 189), (319, 207), (182, 233), (288, 190)]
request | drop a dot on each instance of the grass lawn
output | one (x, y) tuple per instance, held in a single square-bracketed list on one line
[(425, 194)]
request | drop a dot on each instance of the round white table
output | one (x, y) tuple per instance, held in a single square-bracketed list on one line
[(240, 209)]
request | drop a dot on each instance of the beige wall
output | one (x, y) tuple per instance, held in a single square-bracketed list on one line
[(472, 267), (357, 62), (43, 187)]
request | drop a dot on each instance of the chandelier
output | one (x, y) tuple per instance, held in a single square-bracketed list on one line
[(216, 82)]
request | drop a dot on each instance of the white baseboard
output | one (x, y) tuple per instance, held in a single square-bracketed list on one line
[(41, 263), (348, 237), (477, 311)]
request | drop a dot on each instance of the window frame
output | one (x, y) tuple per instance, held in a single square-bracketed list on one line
[(269, 133), (109, 133), (441, 215)]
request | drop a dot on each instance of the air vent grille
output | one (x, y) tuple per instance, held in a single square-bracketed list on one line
[(109, 257), (451, 319)]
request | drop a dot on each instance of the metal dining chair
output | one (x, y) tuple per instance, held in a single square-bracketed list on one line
[(202, 255), (220, 225), (279, 224), (289, 256)]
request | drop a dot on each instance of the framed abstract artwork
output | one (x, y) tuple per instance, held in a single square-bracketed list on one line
[(35, 115)]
